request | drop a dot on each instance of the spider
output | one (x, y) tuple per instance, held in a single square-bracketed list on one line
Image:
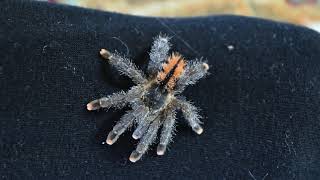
[(155, 98)]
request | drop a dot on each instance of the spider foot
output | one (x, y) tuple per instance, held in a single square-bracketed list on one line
[(135, 156), (105, 54), (161, 149), (93, 105), (112, 138), (198, 129)]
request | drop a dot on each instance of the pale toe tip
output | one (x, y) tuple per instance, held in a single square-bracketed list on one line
[(135, 156)]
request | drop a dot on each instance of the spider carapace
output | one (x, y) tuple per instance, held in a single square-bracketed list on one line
[(155, 98)]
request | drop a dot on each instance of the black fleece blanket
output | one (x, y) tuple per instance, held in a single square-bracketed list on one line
[(260, 103)]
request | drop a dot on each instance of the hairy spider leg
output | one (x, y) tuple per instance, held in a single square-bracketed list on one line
[(194, 71), (142, 116), (167, 131), (124, 65), (125, 122), (159, 53), (118, 100), (190, 113)]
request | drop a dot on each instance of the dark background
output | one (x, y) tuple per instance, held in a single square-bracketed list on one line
[(260, 103)]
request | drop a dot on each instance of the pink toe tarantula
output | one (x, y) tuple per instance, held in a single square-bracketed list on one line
[(155, 98)]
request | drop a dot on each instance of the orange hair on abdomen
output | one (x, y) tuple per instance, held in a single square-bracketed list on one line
[(172, 70)]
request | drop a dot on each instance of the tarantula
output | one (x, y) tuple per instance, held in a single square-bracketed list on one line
[(155, 98)]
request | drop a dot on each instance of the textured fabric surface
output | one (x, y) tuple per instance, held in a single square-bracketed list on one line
[(260, 103)]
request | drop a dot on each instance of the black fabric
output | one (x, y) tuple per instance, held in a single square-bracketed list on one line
[(260, 103)]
